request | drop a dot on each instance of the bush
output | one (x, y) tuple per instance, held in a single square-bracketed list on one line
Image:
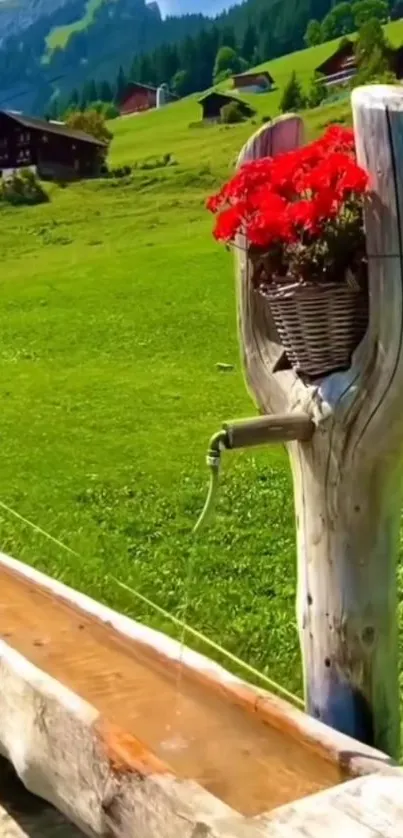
[(23, 188), (231, 113), (117, 172), (318, 91), (107, 109)]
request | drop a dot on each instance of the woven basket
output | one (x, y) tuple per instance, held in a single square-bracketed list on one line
[(318, 325)]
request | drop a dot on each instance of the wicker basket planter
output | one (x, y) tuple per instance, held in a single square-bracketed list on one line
[(319, 325)]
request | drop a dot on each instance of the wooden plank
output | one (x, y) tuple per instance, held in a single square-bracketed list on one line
[(24, 816), (369, 807)]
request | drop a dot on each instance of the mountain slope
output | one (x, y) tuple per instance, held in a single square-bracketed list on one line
[(16, 16), (87, 39)]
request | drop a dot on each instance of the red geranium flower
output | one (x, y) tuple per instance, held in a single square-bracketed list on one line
[(300, 207)]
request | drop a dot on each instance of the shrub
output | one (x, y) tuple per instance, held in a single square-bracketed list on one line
[(318, 91), (91, 122), (231, 113), (107, 109), (23, 188), (117, 172)]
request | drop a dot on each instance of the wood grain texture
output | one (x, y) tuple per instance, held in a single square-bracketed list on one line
[(370, 807), (347, 478)]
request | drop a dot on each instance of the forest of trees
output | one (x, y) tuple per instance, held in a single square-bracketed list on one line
[(188, 53), (197, 62), (126, 31), (347, 17)]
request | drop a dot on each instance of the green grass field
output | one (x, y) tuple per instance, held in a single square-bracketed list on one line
[(117, 307), (59, 36)]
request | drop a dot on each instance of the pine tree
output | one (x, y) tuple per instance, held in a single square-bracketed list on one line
[(121, 85), (105, 92), (92, 91), (74, 99), (249, 43), (293, 98)]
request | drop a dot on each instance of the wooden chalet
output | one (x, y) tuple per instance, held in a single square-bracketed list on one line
[(213, 102), (340, 67), (54, 149), (137, 98), (261, 82)]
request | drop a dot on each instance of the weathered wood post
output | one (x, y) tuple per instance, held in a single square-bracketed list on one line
[(347, 478)]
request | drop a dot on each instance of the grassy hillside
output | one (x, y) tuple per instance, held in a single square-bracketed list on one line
[(118, 307), (306, 61), (59, 36)]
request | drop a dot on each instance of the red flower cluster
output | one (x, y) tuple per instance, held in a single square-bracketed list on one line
[(294, 198)]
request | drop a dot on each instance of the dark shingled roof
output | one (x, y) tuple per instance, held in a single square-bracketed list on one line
[(254, 74), (52, 128)]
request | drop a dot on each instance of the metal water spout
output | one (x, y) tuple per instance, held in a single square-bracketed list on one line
[(248, 433)]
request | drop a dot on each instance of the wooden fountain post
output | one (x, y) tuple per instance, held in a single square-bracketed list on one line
[(347, 478)]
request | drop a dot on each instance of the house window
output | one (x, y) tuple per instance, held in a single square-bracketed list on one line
[(23, 137)]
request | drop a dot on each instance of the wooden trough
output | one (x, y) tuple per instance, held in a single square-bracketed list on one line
[(95, 720)]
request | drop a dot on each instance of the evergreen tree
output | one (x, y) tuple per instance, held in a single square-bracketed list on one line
[(228, 38), (121, 85), (249, 43), (105, 92), (146, 71), (293, 98), (397, 10), (92, 91), (74, 100)]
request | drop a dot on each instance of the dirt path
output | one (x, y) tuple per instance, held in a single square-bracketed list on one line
[(25, 816)]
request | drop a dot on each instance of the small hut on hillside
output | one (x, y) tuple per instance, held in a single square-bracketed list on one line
[(52, 148), (261, 82), (213, 102)]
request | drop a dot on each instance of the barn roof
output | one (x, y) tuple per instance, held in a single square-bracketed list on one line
[(256, 74), (60, 128), (136, 85), (345, 49), (225, 98)]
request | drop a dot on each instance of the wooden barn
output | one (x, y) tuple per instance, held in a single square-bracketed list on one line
[(253, 82), (54, 149), (213, 102), (341, 65), (138, 97)]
